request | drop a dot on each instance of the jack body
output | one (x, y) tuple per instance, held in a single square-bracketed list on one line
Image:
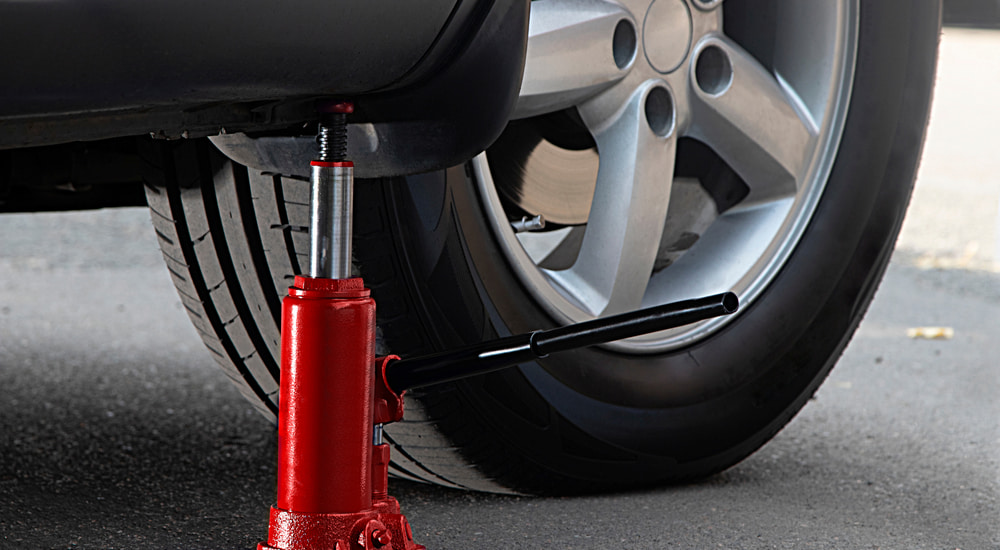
[(332, 480)]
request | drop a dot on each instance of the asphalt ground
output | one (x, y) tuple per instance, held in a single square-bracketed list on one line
[(117, 430)]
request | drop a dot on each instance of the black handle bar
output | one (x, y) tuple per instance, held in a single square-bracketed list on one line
[(506, 352)]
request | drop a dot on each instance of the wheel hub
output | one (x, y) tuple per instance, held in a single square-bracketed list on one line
[(666, 34)]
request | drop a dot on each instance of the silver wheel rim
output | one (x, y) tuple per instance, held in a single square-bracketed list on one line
[(639, 85)]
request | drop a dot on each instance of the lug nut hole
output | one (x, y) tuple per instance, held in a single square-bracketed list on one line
[(660, 111), (706, 5), (713, 71), (623, 43)]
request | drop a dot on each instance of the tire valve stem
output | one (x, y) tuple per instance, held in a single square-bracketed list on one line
[(331, 198), (535, 223)]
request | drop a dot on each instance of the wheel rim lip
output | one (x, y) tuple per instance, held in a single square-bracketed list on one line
[(759, 275)]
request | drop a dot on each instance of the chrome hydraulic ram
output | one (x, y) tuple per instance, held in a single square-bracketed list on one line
[(486, 357), (331, 198)]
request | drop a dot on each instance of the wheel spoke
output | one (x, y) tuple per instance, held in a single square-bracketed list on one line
[(576, 48), (752, 120), (622, 236)]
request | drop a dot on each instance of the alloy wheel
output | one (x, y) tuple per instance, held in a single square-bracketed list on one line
[(613, 97)]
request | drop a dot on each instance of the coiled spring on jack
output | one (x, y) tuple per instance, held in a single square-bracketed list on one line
[(332, 137)]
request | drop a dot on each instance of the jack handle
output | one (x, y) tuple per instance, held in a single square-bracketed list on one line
[(404, 374)]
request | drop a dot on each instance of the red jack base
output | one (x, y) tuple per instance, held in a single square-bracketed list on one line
[(384, 528), (332, 481)]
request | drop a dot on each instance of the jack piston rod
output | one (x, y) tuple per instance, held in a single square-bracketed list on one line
[(330, 207), (331, 199), (490, 356)]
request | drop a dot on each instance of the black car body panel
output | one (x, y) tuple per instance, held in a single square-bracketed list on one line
[(440, 75), (64, 57)]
